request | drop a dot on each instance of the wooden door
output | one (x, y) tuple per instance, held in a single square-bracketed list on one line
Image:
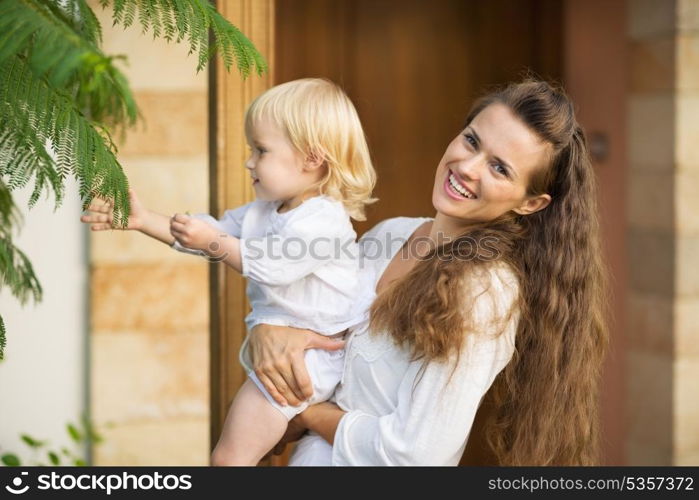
[(412, 68)]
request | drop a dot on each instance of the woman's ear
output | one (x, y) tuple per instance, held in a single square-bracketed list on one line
[(532, 205), (314, 161)]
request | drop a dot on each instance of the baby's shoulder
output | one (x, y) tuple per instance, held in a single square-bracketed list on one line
[(318, 215)]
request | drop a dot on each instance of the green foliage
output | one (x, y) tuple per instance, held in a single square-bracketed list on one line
[(62, 98), (81, 434), (191, 19), (16, 271), (10, 459)]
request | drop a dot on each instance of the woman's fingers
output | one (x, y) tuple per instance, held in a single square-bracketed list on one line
[(283, 388), (271, 388), (298, 365), (292, 383)]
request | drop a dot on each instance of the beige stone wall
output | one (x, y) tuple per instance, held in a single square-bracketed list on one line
[(663, 117), (149, 370)]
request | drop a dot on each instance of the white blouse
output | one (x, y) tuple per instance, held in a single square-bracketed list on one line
[(301, 266), (391, 419)]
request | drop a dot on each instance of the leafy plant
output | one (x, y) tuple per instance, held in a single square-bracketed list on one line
[(81, 434), (62, 99)]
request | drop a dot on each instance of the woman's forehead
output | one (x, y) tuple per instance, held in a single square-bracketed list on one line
[(504, 135)]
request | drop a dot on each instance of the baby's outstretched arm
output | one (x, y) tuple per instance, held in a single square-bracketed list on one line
[(100, 216), (196, 234)]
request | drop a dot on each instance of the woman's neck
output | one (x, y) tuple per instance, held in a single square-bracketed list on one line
[(446, 229)]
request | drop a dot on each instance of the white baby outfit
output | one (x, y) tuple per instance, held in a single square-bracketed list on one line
[(302, 271)]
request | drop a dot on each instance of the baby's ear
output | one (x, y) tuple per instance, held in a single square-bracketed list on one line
[(314, 160)]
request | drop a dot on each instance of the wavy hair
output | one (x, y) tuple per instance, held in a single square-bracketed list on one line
[(320, 120), (544, 402)]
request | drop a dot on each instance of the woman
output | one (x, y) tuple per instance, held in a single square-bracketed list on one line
[(506, 299)]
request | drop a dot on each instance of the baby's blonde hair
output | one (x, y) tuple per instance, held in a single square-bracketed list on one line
[(320, 120)]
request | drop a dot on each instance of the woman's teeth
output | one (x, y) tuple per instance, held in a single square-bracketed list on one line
[(459, 188)]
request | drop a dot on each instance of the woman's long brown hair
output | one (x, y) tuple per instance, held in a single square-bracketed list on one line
[(545, 400)]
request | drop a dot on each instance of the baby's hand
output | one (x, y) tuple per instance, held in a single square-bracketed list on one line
[(192, 233), (100, 214)]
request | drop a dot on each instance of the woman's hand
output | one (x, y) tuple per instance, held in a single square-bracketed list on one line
[(278, 360), (101, 214)]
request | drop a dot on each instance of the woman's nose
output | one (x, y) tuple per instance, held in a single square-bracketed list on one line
[(470, 168)]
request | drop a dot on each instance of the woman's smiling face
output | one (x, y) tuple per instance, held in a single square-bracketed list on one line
[(486, 169)]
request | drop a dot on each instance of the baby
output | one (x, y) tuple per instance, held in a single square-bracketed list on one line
[(311, 172)]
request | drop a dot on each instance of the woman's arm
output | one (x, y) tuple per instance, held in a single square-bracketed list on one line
[(323, 418), (278, 360)]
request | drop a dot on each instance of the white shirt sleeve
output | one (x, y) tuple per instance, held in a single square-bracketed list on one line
[(303, 244), (434, 412), (230, 223)]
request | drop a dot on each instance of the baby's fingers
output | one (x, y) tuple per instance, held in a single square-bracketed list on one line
[(177, 227), (92, 218), (102, 208), (100, 227)]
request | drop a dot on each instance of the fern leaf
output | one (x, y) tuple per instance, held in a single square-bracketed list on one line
[(17, 273), (47, 116), (191, 20), (56, 48)]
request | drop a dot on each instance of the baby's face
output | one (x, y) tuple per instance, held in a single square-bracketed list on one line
[(276, 167)]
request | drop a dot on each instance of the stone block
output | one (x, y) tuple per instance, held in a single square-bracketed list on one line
[(687, 202), (686, 404), (150, 298), (686, 268), (651, 132), (652, 262), (653, 65), (688, 15), (174, 124), (688, 63), (687, 326), (151, 63), (650, 200), (649, 408), (687, 131), (170, 442), (650, 18), (650, 323), (137, 376)]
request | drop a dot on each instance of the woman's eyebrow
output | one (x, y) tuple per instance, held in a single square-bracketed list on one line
[(497, 158)]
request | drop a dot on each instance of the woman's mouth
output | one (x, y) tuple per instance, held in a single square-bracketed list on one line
[(455, 190)]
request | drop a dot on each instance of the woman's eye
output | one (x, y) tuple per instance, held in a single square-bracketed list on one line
[(470, 140), (500, 169)]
